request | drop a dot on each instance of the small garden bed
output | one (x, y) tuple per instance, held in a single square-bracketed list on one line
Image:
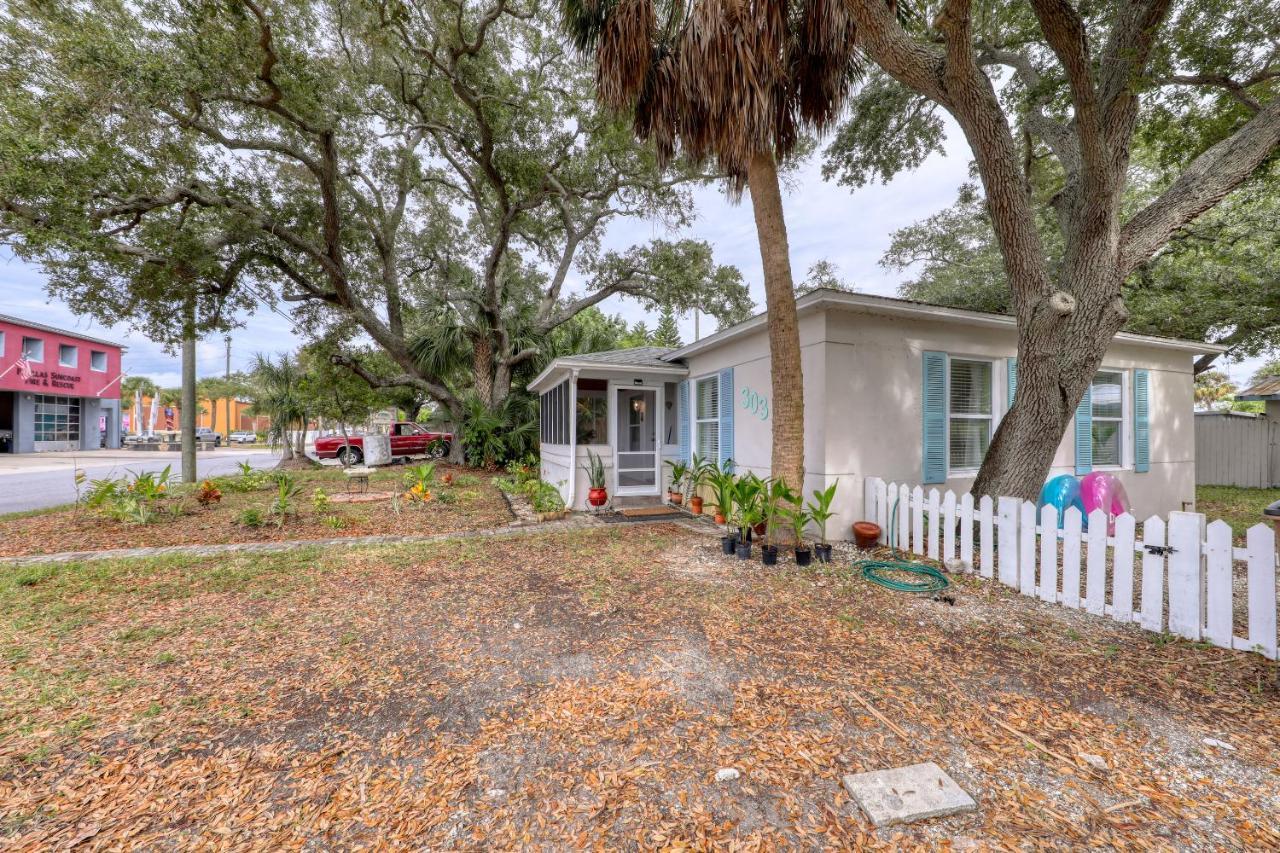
[(258, 506)]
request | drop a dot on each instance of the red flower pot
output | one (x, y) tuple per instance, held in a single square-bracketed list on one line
[(597, 497), (866, 534), (695, 505)]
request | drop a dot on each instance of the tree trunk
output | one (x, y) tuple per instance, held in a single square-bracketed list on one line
[(784, 331), (482, 364), (188, 414)]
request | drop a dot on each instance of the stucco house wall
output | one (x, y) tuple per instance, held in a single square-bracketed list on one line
[(862, 365)]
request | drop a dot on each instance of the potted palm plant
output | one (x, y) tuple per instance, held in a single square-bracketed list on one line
[(772, 496), (799, 518), (722, 485), (699, 470), (597, 496), (746, 501), (820, 513), (679, 471)]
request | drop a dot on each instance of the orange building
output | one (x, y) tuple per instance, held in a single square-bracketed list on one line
[(209, 413)]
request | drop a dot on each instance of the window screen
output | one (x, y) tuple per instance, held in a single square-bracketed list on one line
[(707, 418), (593, 411), (969, 412), (1107, 395), (554, 415), (98, 361), (33, 349), (68, 356)]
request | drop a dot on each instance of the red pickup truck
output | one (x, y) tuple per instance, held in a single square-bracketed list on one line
[(407, 439)]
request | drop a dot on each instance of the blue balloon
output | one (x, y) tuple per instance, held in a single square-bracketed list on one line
[(1061, 492)]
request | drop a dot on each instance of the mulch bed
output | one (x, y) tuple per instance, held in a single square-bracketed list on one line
[(478, 505), (581, 689)]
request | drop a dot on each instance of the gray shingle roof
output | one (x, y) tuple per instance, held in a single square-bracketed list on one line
[(634, 357)]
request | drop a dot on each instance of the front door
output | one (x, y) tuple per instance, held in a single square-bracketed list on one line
[(636, 454)]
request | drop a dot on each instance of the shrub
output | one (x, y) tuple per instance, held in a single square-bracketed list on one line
[(418, 479), (282, 505), (447, 497), (333, 522), (545, 497), (320, 501), (208, 494), (250, 517)]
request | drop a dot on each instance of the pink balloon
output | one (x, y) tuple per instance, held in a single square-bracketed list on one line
[(1100, 490)]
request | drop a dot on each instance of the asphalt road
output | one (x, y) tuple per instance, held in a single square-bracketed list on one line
[(38, 480)]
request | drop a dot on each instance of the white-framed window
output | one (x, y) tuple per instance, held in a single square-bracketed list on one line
[(68, 355), (1107, 399), (97, 361), (1, 344), (970, 408), (706, 417), (33, 349)]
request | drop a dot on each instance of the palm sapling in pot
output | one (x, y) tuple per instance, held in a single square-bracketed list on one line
[(771, 498), (799, 517), (679, 470), (820, 512), (722, 485)]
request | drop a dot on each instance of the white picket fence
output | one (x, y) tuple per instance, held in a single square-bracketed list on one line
[(1183, 563)]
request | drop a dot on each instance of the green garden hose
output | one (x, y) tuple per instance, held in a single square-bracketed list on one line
[(872, 570)]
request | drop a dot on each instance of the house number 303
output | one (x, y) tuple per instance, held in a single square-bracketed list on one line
[(757, 404)]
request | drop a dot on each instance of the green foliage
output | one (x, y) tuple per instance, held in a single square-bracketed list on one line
[(251, 516), (283, 503), (667, 333), (797, 516), (595, 470), (320, 501), (1212, 387), (491, 437), (679, 473), (544, 497), (418, 479), (723, 488), (819, 509), (774, 495), (889, 129), (747, 494)]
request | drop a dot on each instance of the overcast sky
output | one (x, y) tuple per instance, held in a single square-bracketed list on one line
[(851, 229)]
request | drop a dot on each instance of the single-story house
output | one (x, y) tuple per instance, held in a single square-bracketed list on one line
[(906, 391)]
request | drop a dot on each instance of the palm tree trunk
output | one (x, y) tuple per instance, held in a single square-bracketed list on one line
[(784, 329)]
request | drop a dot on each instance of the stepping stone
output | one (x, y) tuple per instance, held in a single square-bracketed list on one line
[(906, 794)]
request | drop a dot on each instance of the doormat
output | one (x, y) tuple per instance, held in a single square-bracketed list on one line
[(631, 517)]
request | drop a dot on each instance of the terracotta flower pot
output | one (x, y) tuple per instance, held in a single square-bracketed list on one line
[(720, 517), (695, 505), (677, 498), (597, 497), (866, 534)]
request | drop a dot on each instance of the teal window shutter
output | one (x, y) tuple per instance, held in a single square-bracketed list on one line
[(1141, 421), (934, 404), (1084, 433), (726, 415), (684, 415), (1011, 373)]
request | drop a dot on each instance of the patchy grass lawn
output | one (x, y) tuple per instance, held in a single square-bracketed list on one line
[(581, 689), (1241, 508), (470, 502)]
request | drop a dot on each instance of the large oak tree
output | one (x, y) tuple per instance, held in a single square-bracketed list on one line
[(1074, 83), (401, 172)]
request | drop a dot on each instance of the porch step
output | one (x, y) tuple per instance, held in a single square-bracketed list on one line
[(638, 502)]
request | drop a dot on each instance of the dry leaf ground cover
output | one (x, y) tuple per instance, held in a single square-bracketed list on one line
[(580, 689), (469, 503)]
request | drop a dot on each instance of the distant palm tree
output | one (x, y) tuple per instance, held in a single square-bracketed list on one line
[(733, 80), (274, 389)]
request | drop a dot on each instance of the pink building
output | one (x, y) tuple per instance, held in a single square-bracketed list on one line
[(59, 390)]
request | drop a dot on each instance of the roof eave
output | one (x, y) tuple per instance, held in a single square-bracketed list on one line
[(570, 364), (872, 303)]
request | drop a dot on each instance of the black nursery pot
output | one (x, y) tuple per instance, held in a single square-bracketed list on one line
[(803, 557), (729, 543), (823, 552), (769, 555), (744, 550)]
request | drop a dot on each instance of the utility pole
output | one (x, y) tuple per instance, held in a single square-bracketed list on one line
[(228, 391), (189, 393)]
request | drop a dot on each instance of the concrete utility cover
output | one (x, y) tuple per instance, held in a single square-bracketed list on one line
[(906, 794)]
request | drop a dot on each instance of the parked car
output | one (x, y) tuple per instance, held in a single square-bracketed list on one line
[(407, 439), (207, 434), (242, 438)]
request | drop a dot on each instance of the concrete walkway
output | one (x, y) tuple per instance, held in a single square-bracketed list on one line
[(574, 522)]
